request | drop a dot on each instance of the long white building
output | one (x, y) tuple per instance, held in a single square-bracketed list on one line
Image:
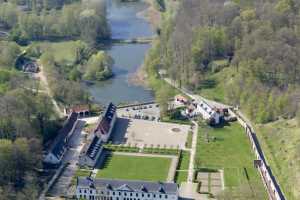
[(107, 189)]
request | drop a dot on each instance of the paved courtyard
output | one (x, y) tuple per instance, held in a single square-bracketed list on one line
[(144, 132), (150, 111)]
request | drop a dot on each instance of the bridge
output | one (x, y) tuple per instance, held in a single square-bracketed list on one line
[(138, 40)]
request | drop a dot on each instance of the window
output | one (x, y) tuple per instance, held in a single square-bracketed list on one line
[(160, 196), (137, 194), (143, 195), (91, 191), (148, 195), (166, 196), (113, 193), (125, 194), (84, 191), (154, 195), (130, 194)]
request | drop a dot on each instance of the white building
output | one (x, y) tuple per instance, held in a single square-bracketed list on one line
[(59, 146), (210, 114), (106, 123), (106, 189)]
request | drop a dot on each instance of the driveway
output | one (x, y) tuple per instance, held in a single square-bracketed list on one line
[(60, 188)]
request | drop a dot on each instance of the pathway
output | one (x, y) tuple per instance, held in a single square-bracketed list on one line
[(42, 77), (193, 153), (70, 160)]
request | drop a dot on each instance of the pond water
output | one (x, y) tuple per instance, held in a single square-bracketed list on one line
[(125, 24)]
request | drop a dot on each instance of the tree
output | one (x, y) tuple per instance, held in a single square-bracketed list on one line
[(98, 67), (8, 53), (163, 95)]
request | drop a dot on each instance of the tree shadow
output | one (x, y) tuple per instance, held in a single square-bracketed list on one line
[(208, 83)]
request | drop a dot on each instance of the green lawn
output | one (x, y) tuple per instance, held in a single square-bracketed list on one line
[(189, 140), (214, 88), (280, 141), (62, 51), (229, 149), (181, 176), (135, 168)]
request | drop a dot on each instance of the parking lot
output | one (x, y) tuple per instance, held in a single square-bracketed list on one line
[(147, 112), (149, 133)]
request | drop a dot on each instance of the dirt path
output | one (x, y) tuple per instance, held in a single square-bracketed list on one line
[(42, 77)]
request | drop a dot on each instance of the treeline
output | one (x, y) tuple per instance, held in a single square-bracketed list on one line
[(86, 20), (39, 5), (26, 118), (259, 40)]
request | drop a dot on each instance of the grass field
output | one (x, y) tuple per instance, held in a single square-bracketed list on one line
[(181, 176), (214, 88), (280, 141), (135, 168), (229, 149), (62, 51)]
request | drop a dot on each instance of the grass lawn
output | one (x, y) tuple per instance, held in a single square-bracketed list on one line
[(181, 176), (135, 168), (62, 51), (80, 172), (231, 151), (214, 88), (189, 140), (280, 141)]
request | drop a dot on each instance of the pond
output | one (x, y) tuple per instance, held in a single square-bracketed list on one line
[(125, 24)]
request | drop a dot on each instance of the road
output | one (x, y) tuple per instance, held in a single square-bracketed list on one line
[(63, 176), (195, 96)]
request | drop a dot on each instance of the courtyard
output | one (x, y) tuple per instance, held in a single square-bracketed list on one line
[(136, 167), (143, 133)]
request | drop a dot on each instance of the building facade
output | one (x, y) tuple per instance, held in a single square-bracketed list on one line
[(106, 189)]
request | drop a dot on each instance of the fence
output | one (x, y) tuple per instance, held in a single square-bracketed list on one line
[(265, 171)]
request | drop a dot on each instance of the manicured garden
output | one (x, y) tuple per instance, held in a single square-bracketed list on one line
[(182, 168), (227, 148), (135, 168)]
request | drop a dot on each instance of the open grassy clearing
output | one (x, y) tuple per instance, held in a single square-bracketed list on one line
[(280, 141), (214, 88), (135, 168), (227, 148), (63, 51)]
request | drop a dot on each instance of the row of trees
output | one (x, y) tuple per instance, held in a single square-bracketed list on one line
[(86, 20)]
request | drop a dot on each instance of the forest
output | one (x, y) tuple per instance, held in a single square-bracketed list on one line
[(244, 53), (27, 117)]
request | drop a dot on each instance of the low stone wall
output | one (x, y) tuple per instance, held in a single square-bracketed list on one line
[(265, 171)]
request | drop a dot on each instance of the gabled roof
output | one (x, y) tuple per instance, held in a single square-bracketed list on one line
[(125, 187), (59, 143), (134, 186), (104, 124)]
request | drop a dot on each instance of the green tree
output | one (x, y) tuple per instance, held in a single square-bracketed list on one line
[(98, 67)]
